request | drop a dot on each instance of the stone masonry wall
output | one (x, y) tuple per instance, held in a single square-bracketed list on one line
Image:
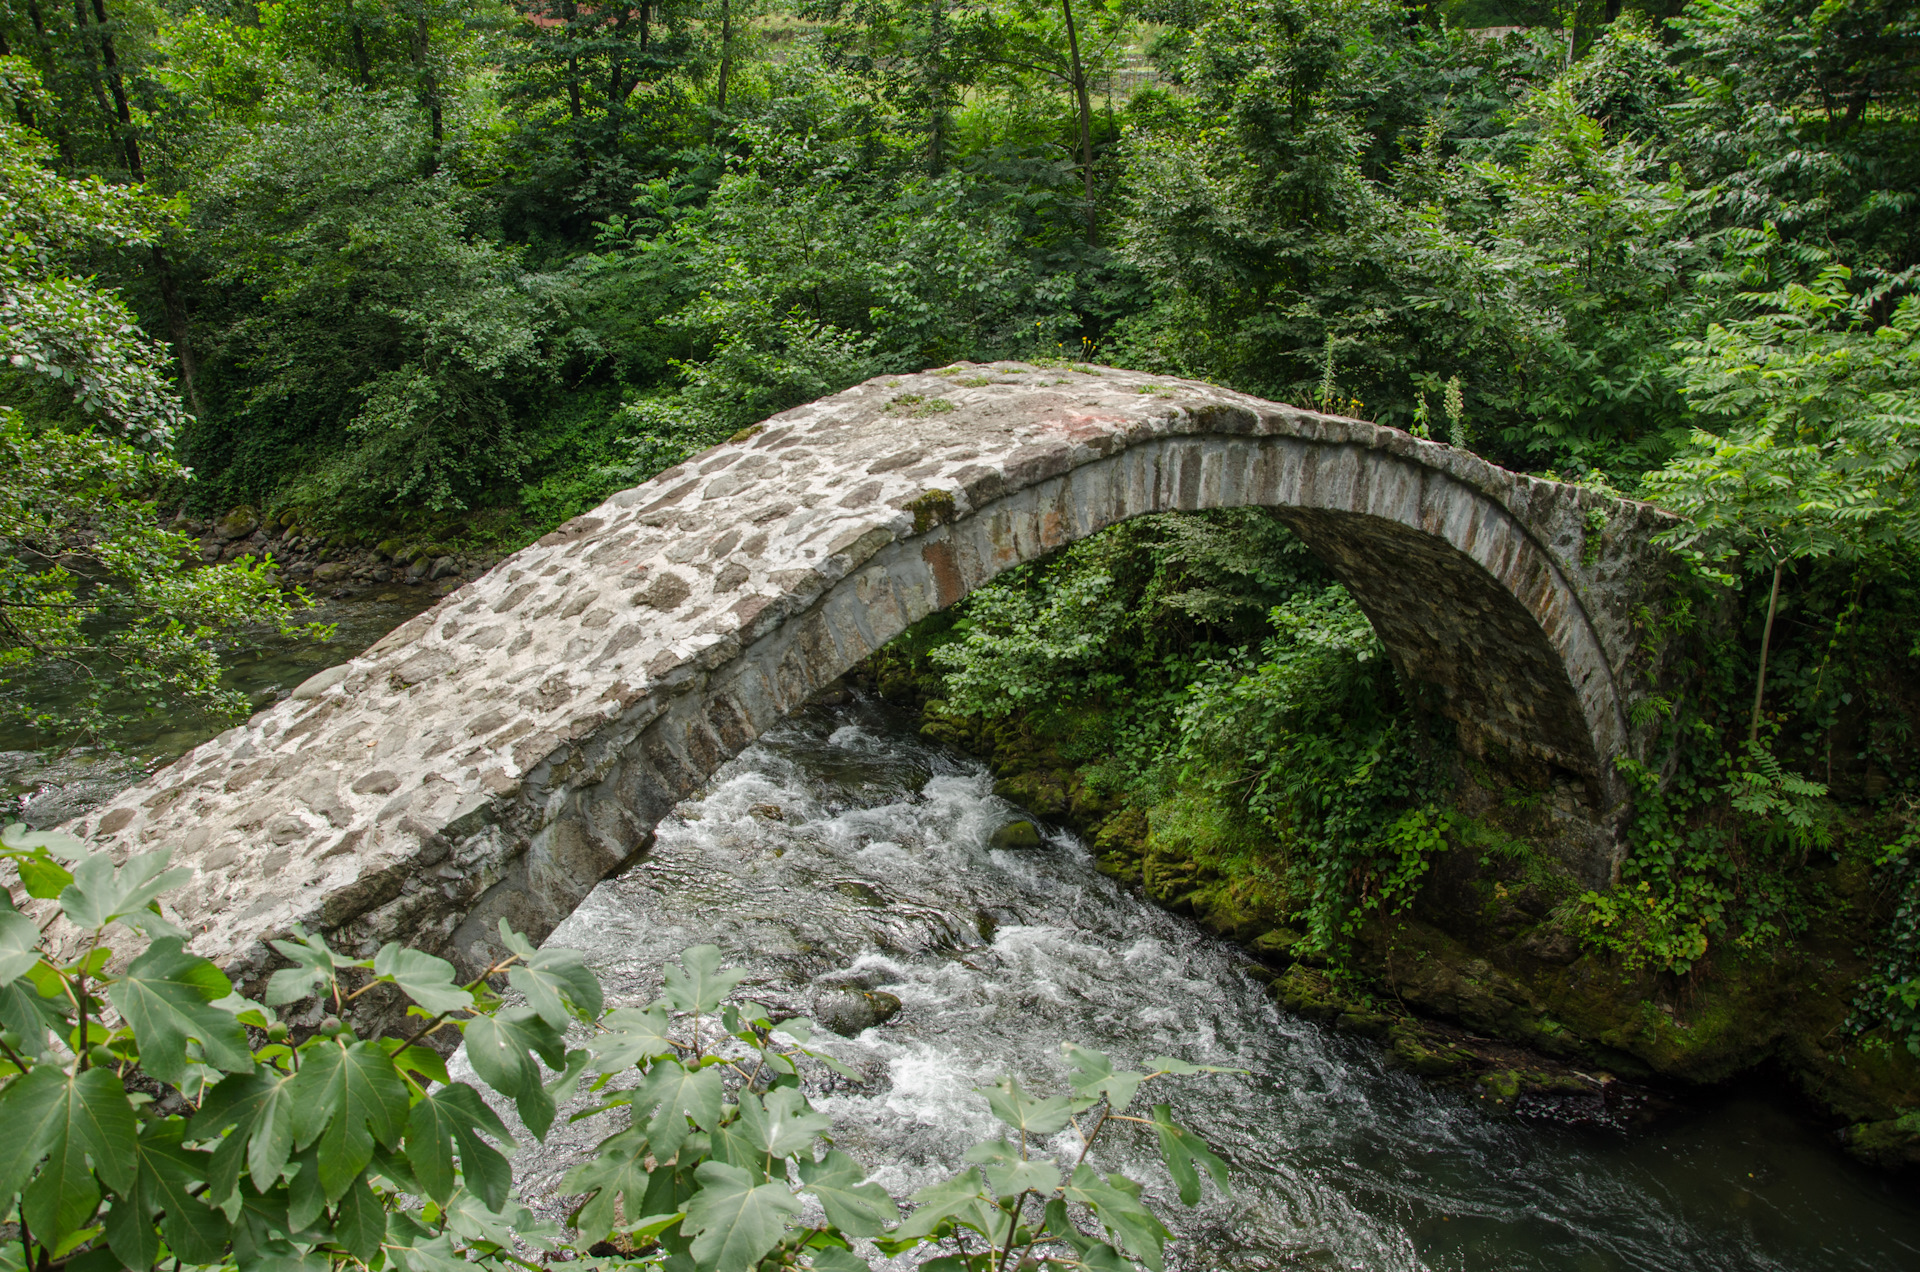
[(498, 755)]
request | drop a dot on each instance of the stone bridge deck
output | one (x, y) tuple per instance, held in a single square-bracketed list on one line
[(501, 753)]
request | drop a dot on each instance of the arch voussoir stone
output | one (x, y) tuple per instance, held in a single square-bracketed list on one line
[(495, 757)]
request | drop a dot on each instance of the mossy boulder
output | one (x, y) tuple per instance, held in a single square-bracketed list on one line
[(1890, 1143)]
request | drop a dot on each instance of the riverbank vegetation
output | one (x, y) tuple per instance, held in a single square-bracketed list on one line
[(455, 270)]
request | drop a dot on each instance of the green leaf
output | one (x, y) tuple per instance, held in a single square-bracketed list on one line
[(416, 1249), (673, 1093), (1168, 1064), (344, 1097), (700, 983), (166, 997), (1094, 1076), (359, 1221), (498, 1047), (450, 1116), (1034, 1118), (1131, 1223), (81, 1116), (732, 1220), (102, 893), (259, 1107), (616, 1172), (632, 1036), (43, 878), (945, 1200), (1009, 1174), (314, 966), (58, 843), (19, 945), (781, 1124), (1180, 1149), (30, 1014), (552, 978), (855, 1207), (422, 977), (26, 1123), (834, 1259), (165, 1176)]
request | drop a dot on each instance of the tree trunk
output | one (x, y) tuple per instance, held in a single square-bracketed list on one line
[(1086, 119), (361, 64), (726, 54), (429, 90), (936, 87), (61, 137), (1766, 642), (178, 325), (570, 12)]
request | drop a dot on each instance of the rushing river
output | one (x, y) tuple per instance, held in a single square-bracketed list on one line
[(841, 845)]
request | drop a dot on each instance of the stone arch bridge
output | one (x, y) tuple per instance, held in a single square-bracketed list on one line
[(498, 755)]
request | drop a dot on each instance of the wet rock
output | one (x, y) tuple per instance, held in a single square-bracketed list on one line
[(441, 568), (383, 575), (848, 1009), (834, 695), (331, 572), (770, 812), (237, 524), (1895, 1142), (418, 570), (1017, 835)]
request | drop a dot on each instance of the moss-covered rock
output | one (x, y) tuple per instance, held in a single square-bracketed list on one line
[(1890, 1143)]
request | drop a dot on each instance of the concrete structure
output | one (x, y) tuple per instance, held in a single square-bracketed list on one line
[(501, 753)]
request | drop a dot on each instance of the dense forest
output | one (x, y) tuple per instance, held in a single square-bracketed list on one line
[(385, 274)]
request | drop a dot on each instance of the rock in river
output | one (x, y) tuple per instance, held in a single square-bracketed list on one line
[(1017, 834), (848, 1009)]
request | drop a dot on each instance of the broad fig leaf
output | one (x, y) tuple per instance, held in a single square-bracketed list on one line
[(673, 1093), (616, 1172), (87, 1115), (1024, 1113), (1009, 1174), (19, 945), (167, 997), (422, 977), (259, 1108), (166, 1176), (853, 1205), (632, 1036), (450, 1117), (1180, 1149), (43, 877), (834, 1259), (314, 966), (700, 983), (498, 1047), (102, 893), (779, 1125), (344, 1097), (734, 1221), (359, 1221), (1131, 1223), (1169, 1064), (58, 843), (552, 978), (413, 1248), (1094, 1076), (944, 1200)]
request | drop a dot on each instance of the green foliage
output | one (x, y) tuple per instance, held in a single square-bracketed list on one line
[(92, 590), (1890, 993), (299, 1152)]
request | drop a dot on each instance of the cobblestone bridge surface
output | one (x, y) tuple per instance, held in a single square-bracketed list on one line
[(501, 753)]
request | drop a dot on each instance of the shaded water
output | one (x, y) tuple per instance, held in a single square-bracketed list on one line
[(841, 845), (44, 790)]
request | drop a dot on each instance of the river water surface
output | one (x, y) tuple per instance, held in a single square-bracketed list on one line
[(842, 846)]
